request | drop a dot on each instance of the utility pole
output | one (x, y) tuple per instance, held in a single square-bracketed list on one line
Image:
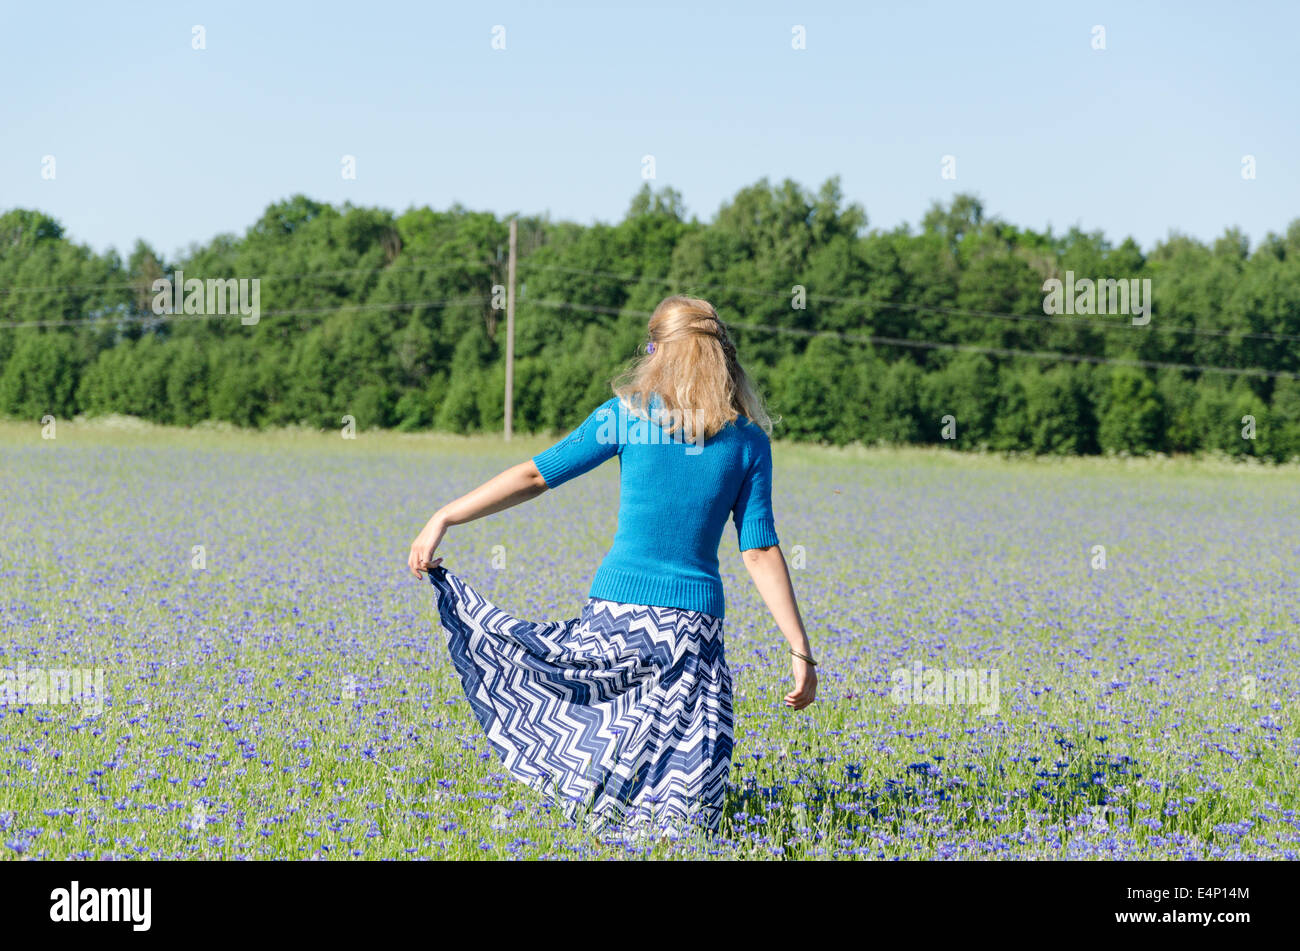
[(510, 330)]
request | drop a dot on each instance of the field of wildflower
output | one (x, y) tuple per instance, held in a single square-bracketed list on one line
[(276, 686)]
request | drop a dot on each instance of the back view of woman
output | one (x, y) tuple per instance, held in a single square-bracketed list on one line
[(624, 715)]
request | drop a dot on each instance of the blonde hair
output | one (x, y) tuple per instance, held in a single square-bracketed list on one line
[(693, 370)]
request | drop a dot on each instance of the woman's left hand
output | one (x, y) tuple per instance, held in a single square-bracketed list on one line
[(425, 544), (805, 685)]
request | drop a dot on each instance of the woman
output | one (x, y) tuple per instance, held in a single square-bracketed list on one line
[(624, 714)]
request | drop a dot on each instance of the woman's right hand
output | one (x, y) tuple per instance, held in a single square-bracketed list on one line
[(425, 544), (805, 684)]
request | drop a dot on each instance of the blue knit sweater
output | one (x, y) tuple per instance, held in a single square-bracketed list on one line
[(675, 497)]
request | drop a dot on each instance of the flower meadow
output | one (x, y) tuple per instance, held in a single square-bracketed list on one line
[(276, 685)]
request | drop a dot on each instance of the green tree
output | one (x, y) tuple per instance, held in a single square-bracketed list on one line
[(40, 376), (1059, 414), (1132, 417)]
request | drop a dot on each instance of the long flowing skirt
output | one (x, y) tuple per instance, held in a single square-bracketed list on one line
[(622, 716)]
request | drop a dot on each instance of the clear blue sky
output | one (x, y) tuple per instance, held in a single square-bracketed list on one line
[(154, 139)]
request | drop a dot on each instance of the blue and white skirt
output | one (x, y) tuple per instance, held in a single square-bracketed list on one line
[(622, 716)]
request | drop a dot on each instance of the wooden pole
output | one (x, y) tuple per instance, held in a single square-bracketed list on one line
[(510, 330)]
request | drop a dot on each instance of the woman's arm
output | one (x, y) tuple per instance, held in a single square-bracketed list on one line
[(517, 484), (772, 579), (581, 451)]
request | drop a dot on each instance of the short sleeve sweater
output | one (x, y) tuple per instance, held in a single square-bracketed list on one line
[(674, 500)]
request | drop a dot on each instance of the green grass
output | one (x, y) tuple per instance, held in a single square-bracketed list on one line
[(293, 698)]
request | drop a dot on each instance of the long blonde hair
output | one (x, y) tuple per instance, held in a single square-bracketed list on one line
[(694, 371)]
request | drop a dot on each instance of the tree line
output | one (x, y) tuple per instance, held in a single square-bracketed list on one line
[(932, 334)]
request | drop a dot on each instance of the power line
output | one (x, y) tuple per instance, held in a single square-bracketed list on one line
[(926, 308), (290, 312), (311, 275), (762, 328), (1036, 354), (635, 278), (939, 345)]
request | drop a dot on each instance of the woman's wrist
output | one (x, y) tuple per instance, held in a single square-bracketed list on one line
[(804, 656)]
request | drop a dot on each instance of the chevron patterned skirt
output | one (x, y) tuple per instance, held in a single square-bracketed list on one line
[(622, 716)]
